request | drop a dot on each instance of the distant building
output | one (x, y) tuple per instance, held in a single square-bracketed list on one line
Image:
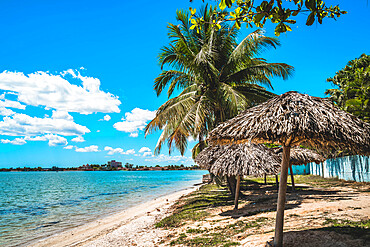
[(114, 164)]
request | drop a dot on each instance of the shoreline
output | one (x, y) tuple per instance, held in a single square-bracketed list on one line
[(138, 217)]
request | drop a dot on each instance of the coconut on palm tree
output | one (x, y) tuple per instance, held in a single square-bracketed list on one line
[(215, 78)]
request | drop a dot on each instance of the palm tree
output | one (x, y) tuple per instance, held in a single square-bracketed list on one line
[(215, 76)]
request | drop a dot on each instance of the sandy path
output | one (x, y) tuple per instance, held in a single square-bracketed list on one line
[(134, 226)]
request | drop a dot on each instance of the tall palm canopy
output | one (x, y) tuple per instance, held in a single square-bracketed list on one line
[(216, 77)]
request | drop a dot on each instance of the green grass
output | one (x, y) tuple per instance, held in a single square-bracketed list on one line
[(193, 207), (357, 229), (218, 236), (204, 241), (343, 222), (196, 230)]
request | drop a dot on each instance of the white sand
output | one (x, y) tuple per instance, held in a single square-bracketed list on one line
[(132, 227)]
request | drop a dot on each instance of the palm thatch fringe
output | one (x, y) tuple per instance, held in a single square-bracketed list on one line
[(239, 160), (292, 119)]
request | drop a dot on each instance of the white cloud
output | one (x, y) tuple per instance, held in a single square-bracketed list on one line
[(69, 147), (144, 149), (56, 92), (173, 159), (78, 139), (16, 141), (92, 148), (112, 151), (98, 131), (135, 134), (145, 154), (20, 124), (6, 112), (130, 151), (35, 138), (191, 139), (11, 104), (134, 121), (61, 115), (55, 140), (106, 118)]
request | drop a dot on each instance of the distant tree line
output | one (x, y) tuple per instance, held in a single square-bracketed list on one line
[(104, 167)]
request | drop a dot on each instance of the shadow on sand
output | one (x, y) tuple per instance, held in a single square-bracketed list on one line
[(259, 198), (328, 237)]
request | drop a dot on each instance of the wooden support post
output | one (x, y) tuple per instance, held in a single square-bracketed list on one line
[(277, 182), (278, 239), (231, 183), (237, 192), (264, 176), (292, 177)]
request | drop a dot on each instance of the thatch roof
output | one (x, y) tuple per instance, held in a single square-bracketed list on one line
[(239, 159), (302, 156), (291, 119)]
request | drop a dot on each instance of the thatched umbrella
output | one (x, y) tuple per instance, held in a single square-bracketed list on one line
[(238, 160), (301, 156), (289, 120)]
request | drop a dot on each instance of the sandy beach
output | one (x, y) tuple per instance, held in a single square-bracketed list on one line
[(322, 212), (131, 227)]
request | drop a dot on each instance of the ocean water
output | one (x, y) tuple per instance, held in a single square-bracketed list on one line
[(35, 205)]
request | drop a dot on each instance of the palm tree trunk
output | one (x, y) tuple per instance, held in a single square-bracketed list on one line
[(264, 176), (278, 239), (236, 202)]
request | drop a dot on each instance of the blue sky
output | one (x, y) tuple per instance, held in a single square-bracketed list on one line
[(76, 77)]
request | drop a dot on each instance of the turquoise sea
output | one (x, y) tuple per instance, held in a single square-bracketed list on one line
[(35, 205)]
